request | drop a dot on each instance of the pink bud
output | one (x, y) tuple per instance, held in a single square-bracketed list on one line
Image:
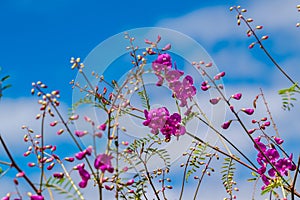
[(102, 127), (80, 133), (278, 140), (251, 45), (60, 131), (263, 119), (98, 134), (214, 101), (204, 83), (27, 153), (31, 164), (267, 123), (248, 111), (74, 117), (69, 159), (237, 96), (7, 197), (58, 175), (209, 64), (80, 155), (20, 174), (204, 88), (36, 197), (109, 187), (125, 169), (226, 124), (89, 150), (147, 41), (251, 131), (53, 148), (50, 166), (130, 182), (264, 37), (167, 47)]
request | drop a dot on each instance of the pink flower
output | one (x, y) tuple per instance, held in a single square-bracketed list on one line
[(103, 162), (85, 175)]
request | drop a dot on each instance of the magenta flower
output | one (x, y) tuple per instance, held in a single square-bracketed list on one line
[(283, 165), (103, 162), (173, 75), (156, 119), (163, 59), (85, 175), (160, 120)]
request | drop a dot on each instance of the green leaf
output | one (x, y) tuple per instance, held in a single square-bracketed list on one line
[(5, 78)]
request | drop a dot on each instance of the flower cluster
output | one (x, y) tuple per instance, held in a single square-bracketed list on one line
[(160, 120), (270, 155), (182, 90)]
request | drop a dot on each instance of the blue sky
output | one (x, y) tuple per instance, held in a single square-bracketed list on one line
[(37, 39)]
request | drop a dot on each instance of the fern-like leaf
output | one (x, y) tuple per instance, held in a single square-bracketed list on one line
[(287, 96), (228, 174), (145, 99), (197, 157), (64, 187)]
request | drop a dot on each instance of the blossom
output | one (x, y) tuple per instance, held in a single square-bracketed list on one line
[(163, 59), (283, 165), (156, 119), (84, 174), (160, 120), (103, 162)]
